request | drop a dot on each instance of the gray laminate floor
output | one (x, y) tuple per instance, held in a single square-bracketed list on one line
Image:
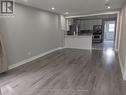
[(66, 72), (103, 46)]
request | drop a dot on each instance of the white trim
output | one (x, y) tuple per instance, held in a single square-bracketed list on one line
[(125, 71), (105, 13), (33, 58), (122, 69), (120, 30), (117, 31)]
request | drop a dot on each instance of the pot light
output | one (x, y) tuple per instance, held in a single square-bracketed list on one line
[(108, 7), (53, 8), (66, 13)]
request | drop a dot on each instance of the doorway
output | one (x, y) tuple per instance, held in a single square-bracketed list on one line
[(109, 34)]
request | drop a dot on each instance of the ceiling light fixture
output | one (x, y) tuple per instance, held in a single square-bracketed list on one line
[(107, 5), (53, 8)]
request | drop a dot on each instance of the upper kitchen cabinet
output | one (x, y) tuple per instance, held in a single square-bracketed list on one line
[(69, 22)]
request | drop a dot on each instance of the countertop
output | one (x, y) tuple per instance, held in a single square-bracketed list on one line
[(79, 36)]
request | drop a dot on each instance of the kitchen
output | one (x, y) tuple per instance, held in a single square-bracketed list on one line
[(91, 32)]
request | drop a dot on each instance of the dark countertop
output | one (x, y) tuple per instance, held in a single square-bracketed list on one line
[(78, 36), (84, 34)]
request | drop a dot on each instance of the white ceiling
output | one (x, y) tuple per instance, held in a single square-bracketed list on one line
[(74, 7)]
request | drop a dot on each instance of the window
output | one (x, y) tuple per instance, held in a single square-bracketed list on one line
[(111, 27)]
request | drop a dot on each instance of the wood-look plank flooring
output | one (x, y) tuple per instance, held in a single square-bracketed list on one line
[(66, 72), (104, 45)]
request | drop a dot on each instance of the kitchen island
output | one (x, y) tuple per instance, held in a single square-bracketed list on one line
[(79, 41)]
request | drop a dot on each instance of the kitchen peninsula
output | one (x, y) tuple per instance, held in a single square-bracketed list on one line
[(79, 41)]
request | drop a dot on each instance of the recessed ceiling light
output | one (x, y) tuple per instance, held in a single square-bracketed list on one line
[(53, 8), (66, 13), (108, 7)]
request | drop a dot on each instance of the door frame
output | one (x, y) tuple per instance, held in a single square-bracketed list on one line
[(115, 33), (118, 32)]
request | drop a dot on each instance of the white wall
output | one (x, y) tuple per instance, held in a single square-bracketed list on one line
[(31, 30), (122, 50)]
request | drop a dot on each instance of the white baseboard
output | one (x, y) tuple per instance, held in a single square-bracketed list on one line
[(122, 69), (33, 58)]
